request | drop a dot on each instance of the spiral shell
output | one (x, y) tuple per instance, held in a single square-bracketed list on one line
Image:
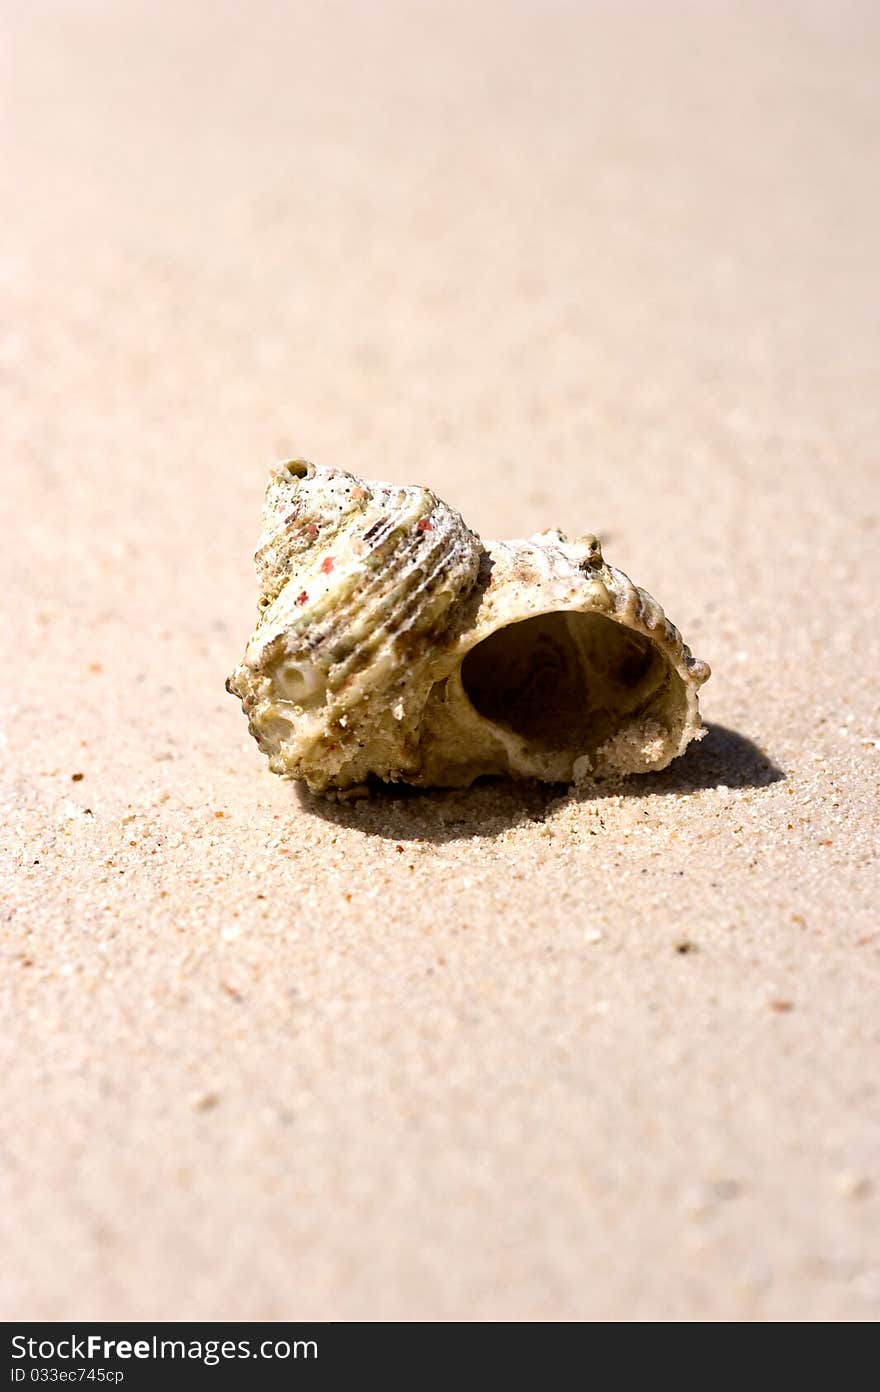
[(393, 643)]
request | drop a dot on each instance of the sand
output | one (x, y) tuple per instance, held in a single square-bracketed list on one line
[(505, 1054)]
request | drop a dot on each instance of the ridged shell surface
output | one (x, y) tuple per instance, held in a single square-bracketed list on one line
[(359, 583), (392, 643)]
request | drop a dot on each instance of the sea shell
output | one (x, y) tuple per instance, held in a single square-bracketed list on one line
[(393, 643)]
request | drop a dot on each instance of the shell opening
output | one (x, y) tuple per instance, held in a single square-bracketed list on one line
[(580, 691)]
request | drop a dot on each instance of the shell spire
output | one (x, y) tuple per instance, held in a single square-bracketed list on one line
[(392, 643)]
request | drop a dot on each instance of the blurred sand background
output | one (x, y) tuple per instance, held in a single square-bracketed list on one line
[(497, 1055)]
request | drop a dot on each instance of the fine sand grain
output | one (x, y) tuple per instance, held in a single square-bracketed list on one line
[(503, 1054)]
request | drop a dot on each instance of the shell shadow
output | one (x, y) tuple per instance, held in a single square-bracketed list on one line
[(722, 758)]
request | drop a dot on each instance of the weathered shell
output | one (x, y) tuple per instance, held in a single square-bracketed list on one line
[(393, 643)]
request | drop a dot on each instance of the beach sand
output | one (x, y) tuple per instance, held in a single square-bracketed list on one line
[(502, 1054)]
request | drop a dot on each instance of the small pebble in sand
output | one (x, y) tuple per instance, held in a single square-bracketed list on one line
[(205, 1101), (852, 1185)]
